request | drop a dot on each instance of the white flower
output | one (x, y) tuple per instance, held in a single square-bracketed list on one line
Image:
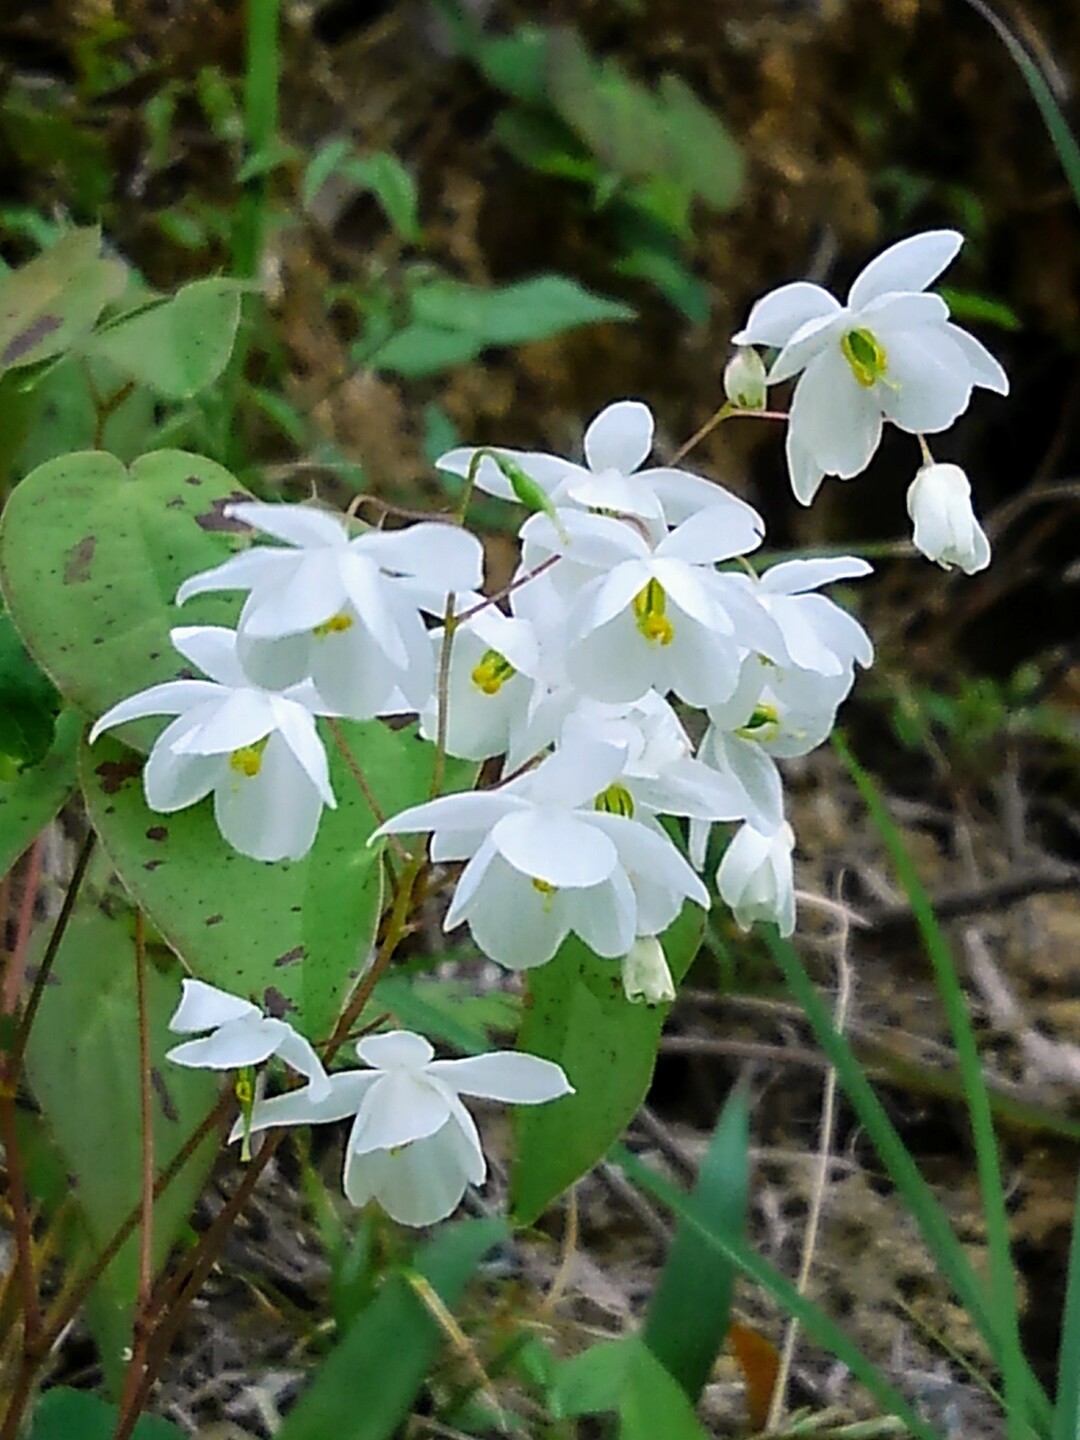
[(344, 612), (617, 443), (413, 1146), (493, 661), (242, 1035), (756, 877), (946, 530), (656, 614), (819, 635), (257, 750), (645, 973), (889, 353), (555, 850)]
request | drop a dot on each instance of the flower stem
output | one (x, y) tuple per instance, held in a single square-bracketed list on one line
[(727, 411), (442, 695)]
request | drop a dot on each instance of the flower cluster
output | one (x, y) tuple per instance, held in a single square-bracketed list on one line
[(633, 686)]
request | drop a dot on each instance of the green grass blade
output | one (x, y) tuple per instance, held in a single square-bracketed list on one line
[(814, 1321), (365, 1388), (1067, 1410), (1022, 1391), (1064, 141), (689, 1313)]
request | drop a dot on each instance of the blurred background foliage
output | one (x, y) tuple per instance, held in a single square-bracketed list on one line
[(486, 219)]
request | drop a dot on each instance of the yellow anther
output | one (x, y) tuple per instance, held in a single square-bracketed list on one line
[(866, 356), (650, 604), (544, 886), (334, 626), (615, 800), (492, 672), (247, 761)]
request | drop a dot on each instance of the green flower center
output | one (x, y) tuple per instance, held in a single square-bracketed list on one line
[(334, 626), (650, 604), (763, 715), (866, 356), (247, 761), (492, 672), (615, 800)]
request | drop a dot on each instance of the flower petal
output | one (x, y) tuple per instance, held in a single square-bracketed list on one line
[(605, 916), (301, 525), (272, 815), (620, 437), (174, 781), (297, 728), (513, 922), (985, 370), (242, 718), (805, 473), (794, 577), (174, 697), (204, 1007), (296, 1051), (263, 565), (420, 1184), (395, 1050), (314, 593), (300, 1107), (445, 556), (835, 418), (247, 1041), (400, 1108), (809, 341), (714, 534), (775, 318), (505, 1075), (928, 383), (910, 264), (555, 847)]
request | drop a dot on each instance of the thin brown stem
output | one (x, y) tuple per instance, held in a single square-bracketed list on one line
[(20, 1218), (509, 589), (17, 965), (727, 411), (363, 784), (41, 979)]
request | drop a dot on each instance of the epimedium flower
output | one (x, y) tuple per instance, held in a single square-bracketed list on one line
[(257, 751), (241, 1036), (655, 613), (756, 877), (618, 441), (344, 611), (890, 353), (413, 1146), (554, 851), (645, 974), (946, 530)]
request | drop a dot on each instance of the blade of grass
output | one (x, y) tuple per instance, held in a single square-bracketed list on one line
[(1063, 139), (1023, 1395), (690, 1309), (1067, 1410), (813, 1320)]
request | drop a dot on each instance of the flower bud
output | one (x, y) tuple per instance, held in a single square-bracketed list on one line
[(645, 973), (946, 530), (744, 379), (756, 878)]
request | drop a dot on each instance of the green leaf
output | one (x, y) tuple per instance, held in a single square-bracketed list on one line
[(382, 174), (707, 159), (420, 350), (816, 1323), (53, 300), (1067, 1407), (176, 346), (82, 1065), (577, 1015), (448, 1010), (32, 798), (91, 555), (28, 703), (65, 1414), (293, 935), (690, 1309), (391, 1347), (514, 314), (624, 1377)]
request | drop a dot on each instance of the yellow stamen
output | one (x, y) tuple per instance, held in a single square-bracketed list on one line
[(615, 800), (866, 356), (247, 761), (334, 626), (492, 672), (649, 606)]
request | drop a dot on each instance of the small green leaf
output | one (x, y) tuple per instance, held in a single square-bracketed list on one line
[(390, 1349), (53, 300), (32, 798), (177, 346), (420, 350), (515, 314), (577, 1015), (28, 703), (625, 1378), (65, 1414)]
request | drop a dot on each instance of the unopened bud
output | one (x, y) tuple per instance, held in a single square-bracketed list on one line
[(744, 380), (529, 491), (645, 973)]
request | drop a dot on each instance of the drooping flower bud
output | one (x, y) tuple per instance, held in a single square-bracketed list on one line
[(645, 974), (744, 379), (946, 530)]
